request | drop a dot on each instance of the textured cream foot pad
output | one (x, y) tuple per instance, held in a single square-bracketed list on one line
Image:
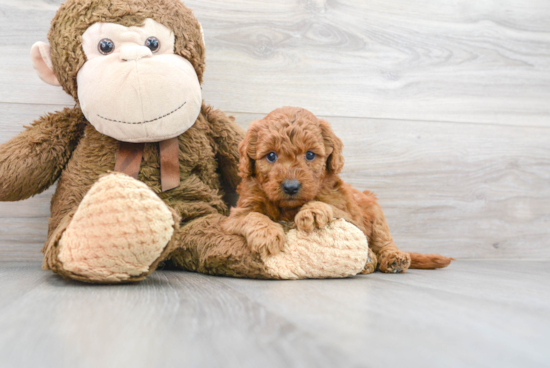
[(337, 250), (120, 228)]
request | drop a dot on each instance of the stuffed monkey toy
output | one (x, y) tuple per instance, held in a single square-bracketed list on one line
[(141, 161)]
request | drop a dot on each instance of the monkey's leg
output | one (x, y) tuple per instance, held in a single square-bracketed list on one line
[(120, 232), (337, 250), (202, 246)]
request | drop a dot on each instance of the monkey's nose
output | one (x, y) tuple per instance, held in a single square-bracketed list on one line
[(129, 53), (291, 187)]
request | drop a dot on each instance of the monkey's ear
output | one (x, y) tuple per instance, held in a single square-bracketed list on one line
[(42, 61)]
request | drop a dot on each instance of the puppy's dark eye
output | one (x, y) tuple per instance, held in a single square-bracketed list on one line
[(310, 156), (153, 44), (271, 157), (106, 46)]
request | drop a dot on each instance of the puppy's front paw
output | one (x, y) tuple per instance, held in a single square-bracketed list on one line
[(313, 215), (267, 240), (394, 261)]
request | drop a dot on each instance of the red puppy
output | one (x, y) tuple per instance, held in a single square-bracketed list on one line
[(289, 164)]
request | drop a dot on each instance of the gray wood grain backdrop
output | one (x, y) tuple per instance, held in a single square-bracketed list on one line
[(443, 106)]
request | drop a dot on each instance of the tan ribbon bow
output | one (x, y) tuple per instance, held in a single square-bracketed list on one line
[(129, 156)]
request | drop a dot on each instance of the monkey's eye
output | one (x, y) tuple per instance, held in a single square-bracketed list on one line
[(271, 157), (153, 44), (106, 46), (310, 156)]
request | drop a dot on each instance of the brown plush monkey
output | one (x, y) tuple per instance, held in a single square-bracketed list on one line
[(141, 160)]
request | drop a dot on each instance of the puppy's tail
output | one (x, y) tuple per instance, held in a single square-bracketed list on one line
[(429, 261)]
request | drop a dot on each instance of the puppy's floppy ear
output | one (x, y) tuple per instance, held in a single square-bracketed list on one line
[(246, 148), (334, 146)]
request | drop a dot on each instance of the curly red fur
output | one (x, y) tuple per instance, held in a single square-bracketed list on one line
[(290, 133)]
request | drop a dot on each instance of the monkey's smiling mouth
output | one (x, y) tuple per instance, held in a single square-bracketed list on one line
[(144, 122)]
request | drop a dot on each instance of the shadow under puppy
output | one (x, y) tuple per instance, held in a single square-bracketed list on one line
[(289, 163)]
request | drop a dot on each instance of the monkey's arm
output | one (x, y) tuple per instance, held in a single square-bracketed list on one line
[(227, 135), (32, 161)]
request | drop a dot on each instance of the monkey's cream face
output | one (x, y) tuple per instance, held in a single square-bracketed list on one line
[(133, 87)]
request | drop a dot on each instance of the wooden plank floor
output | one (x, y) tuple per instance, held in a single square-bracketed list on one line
[(472, 314)]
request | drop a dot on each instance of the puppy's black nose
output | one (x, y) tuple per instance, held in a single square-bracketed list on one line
[(291, 187)]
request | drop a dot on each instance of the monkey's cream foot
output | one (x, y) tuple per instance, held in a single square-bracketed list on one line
[(372, 262), (119, 230), (337, 250), (393, 261)]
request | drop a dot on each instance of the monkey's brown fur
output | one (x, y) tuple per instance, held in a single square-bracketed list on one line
[(65, 146), (290, 133)]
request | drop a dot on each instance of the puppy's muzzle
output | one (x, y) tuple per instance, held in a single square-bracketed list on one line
[(291, 187)]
